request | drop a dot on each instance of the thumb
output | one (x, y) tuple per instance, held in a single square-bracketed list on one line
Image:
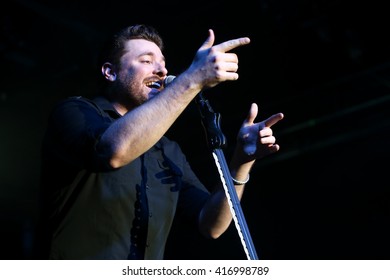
[(209, 41), (252, 114)]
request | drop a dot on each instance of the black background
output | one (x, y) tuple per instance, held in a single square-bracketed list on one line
[(324, 64)]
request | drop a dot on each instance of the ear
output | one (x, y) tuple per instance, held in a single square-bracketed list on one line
[(108, 71)]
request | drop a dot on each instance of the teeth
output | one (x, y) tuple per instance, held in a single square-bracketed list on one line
[(154, 85)]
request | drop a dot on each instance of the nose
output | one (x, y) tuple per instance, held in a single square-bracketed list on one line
[(161, 70)]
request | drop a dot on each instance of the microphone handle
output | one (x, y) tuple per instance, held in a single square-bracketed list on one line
[(211, 123)]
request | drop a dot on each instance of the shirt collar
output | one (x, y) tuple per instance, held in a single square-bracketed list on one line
[(106, 106)]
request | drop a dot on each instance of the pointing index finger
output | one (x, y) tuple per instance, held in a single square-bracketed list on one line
[(273, 119), (232, 44)]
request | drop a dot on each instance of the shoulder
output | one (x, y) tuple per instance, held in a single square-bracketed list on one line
[(76, 101), (75, 106), (76, 112)]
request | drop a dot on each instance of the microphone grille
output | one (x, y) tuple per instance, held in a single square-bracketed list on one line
[(168, 80)]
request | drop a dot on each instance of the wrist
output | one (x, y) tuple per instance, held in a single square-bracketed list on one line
[(239, 182)]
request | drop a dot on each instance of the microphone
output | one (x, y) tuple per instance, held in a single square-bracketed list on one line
[(169, 79)]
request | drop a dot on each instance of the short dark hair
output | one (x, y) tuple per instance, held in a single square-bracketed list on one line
[(115, 46)]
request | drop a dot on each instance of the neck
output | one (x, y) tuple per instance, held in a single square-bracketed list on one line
[(120, 108)]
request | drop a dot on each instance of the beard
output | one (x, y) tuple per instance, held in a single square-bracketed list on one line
[(129, 94)]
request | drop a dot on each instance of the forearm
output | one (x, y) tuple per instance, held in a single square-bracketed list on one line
[(216, 216), (139, 129)]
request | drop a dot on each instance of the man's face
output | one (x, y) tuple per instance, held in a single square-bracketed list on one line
[(141, 71)]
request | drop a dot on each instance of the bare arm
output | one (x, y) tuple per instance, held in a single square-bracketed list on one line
[(139, 129), (254, 141)]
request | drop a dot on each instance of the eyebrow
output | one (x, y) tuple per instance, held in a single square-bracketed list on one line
[(150, 54)]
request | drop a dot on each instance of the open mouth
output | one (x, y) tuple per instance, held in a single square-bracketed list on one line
[(156, 85)]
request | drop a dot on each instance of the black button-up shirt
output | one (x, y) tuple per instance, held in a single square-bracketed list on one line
[(96, 212)]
